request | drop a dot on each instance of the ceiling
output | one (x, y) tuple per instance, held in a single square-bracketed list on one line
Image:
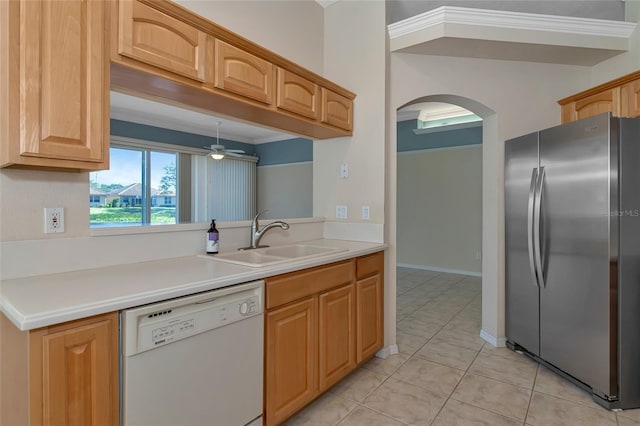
[(151, 113)]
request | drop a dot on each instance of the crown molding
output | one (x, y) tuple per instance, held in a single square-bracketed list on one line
[(511, 20), (407, 115)]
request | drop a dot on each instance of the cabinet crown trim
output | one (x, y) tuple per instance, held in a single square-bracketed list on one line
[(600, 88)]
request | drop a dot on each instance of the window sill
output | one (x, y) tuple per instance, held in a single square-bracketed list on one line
[(199, 226)]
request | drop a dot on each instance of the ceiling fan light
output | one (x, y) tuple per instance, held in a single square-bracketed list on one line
[(217, 155)]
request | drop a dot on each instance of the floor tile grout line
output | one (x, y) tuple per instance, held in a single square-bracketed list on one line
[(535, 379), (464, 374)]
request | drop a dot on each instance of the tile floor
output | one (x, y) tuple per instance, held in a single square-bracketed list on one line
[(445, 374)]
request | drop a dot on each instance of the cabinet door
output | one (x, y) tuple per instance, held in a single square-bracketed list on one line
[(630, 94), (291, 363), (75, 373), (369, 316), (337, 329), (242, 73), (297, 94), (606, 101), (63, 84), (337, 110), (157, 39)]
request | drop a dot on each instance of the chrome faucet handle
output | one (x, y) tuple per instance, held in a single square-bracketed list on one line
[(254, 222), (259, 214)]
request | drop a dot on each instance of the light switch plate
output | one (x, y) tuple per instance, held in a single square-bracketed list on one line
[(344, 170), (365, 212), (341, 212)]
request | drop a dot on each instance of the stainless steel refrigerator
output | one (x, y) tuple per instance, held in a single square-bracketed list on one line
[(572, 204)]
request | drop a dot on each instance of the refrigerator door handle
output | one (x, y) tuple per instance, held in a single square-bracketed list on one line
[(537, 218), (530, 221)]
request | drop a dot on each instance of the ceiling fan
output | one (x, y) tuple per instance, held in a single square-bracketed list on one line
[(218, 151)]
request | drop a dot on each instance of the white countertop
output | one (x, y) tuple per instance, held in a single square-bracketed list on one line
[(44, 300)]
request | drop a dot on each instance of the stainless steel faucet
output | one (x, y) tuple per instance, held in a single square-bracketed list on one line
[(257, 233)]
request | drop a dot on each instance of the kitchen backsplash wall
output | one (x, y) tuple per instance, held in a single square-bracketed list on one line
[(39, 257)]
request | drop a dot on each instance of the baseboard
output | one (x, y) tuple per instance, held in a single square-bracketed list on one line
[(436, 269), (497, 342), (386, 351)]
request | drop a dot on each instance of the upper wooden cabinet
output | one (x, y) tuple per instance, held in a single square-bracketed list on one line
[(55, 80), (166, 52), (243, 73), (620, 97), (630, 99), (157, 39), (337, 110), (297, 94)]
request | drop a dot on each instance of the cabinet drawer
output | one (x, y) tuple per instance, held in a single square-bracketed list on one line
[(337, 110), (157, 39), (295, 285), (297, 94), (369, 265), (242, 73)]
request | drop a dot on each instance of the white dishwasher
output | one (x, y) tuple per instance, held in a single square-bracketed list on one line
[(195, 360)]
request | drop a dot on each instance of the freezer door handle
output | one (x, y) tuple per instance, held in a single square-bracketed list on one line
[(530, 220), (537, 218)]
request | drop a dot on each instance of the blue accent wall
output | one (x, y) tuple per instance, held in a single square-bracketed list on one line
[(409, 141), (158, 134), (295, 150)]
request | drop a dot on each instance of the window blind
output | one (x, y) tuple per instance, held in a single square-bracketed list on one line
[(232, 186)]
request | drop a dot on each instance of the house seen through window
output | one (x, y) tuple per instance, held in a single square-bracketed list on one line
[(153, 183), (140, 188)]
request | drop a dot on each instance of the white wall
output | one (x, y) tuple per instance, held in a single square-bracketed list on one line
[(354, 41), (523, 97), (625, 63), (286, 190), (439, 222), (355, 54), (291, 29)]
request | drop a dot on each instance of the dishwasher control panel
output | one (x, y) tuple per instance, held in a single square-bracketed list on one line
[(152, 326)]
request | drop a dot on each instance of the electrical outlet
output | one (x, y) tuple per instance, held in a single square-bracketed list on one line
[(341, 212), (365, 212), (53, 220), (344, 170)]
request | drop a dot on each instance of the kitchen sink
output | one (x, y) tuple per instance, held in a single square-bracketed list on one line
[(272, 255)]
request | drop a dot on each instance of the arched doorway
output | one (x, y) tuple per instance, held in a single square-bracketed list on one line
[(492, 208)]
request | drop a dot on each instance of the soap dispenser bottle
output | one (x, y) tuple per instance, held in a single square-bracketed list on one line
[(212, 238)]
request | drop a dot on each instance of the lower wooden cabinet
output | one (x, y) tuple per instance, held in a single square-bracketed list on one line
[(321, 323), (291, 363), (369, 314), (369, 311), (68, 376), (337, 326)]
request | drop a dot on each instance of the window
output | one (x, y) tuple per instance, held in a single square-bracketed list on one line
[(153, 183), (132, 186)]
